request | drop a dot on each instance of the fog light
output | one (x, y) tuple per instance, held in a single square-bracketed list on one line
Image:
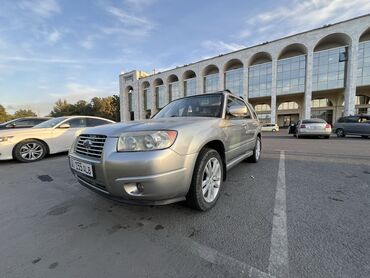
[(133, 188)]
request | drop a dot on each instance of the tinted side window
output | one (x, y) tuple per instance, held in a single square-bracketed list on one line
[(24, 123), (77, 122), (39, 121), (236, 102), (352, 120), (96, 122), (341, 120)]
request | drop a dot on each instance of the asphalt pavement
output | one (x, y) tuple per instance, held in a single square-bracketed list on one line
[(302, 211)]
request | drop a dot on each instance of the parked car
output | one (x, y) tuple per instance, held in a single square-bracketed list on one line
[(270, 127), (23, 122), (183, 152), (311, 127), (52, 136), (353, 125)]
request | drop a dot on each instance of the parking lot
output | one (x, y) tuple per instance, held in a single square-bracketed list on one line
[(302, 211)]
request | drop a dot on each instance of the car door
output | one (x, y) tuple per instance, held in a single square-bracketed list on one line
[(364, 125), (236, 130), (64, 137), (352, 125)]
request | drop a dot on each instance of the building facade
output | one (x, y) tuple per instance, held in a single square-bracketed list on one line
[(321, 73)]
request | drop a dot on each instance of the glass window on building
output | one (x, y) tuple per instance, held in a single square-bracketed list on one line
[(321, 102), (329, 67), (160, 94), (147, 99), (190, 87), (262, 107), (264, 117), (363, 75), (211, 83), (291, 75), (234, 81), (260, 80), (291, 105), (174, 90)]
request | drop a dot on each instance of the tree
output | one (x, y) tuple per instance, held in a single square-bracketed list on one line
[(105, 107), (62, 108), (21, 113), (116, 108), (3, 115)]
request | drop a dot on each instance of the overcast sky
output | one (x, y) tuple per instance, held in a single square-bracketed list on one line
[(75, 49)]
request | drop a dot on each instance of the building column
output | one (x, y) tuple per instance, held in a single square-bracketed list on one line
[(273, 91), (154, 101), (200, 84), (138, 107), (181, 89), (245, 83), (308, 85), (351, 80), (122, 101)]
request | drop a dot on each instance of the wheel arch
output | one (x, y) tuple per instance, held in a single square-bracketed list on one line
[(218, 146), (35, 139)]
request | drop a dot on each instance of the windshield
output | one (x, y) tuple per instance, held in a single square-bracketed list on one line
[(195, 106), (50, 123)]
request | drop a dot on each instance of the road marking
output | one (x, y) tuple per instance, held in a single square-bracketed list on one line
[(232, 266), (279, 260)]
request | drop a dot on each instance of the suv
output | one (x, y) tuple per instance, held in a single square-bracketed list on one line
[(353, 125), (23, 122), (183, 152)]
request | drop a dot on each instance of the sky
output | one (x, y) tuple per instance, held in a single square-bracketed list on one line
[(76, 49)]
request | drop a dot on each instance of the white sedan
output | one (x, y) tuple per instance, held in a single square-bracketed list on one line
[(53, 136)]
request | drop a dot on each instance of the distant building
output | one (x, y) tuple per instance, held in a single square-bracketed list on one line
[(321, 73)]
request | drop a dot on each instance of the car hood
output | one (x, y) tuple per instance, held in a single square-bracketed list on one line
[(115, 130), (23, 131)]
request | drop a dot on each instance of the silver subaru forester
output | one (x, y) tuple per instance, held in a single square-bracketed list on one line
[(182, 153)]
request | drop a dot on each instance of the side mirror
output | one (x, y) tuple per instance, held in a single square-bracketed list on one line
[(11, 125), (65, 125), (237, 110)]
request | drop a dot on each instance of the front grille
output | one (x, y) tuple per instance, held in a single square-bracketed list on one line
[(94, 149)]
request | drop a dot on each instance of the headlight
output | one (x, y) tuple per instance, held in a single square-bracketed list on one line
[(5, 138), (146, 140)]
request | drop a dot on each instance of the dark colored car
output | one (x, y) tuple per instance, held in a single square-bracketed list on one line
[(23, 122), (353, 125)]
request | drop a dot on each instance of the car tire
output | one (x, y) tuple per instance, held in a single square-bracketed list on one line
[(256, 151), (340, 132), (199, 197), (29, 151), (365, 136)]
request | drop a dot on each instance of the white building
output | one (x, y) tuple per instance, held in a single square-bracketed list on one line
[(323, 73)]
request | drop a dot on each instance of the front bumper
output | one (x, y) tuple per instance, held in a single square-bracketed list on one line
[(6, 150), (164, 176)]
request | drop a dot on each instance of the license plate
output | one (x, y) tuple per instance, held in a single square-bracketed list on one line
[(82, 167)]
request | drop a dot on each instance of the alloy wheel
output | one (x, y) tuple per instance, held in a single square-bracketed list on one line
[(31, 151), (211, 180)]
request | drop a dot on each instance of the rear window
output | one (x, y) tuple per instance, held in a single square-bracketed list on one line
[(313, 121)]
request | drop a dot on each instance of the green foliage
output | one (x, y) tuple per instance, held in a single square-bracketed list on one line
[(21, 113), (105, 107), (3, 115)]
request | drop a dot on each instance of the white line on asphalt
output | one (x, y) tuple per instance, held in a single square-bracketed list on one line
[(278, 263), (235, 267)]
